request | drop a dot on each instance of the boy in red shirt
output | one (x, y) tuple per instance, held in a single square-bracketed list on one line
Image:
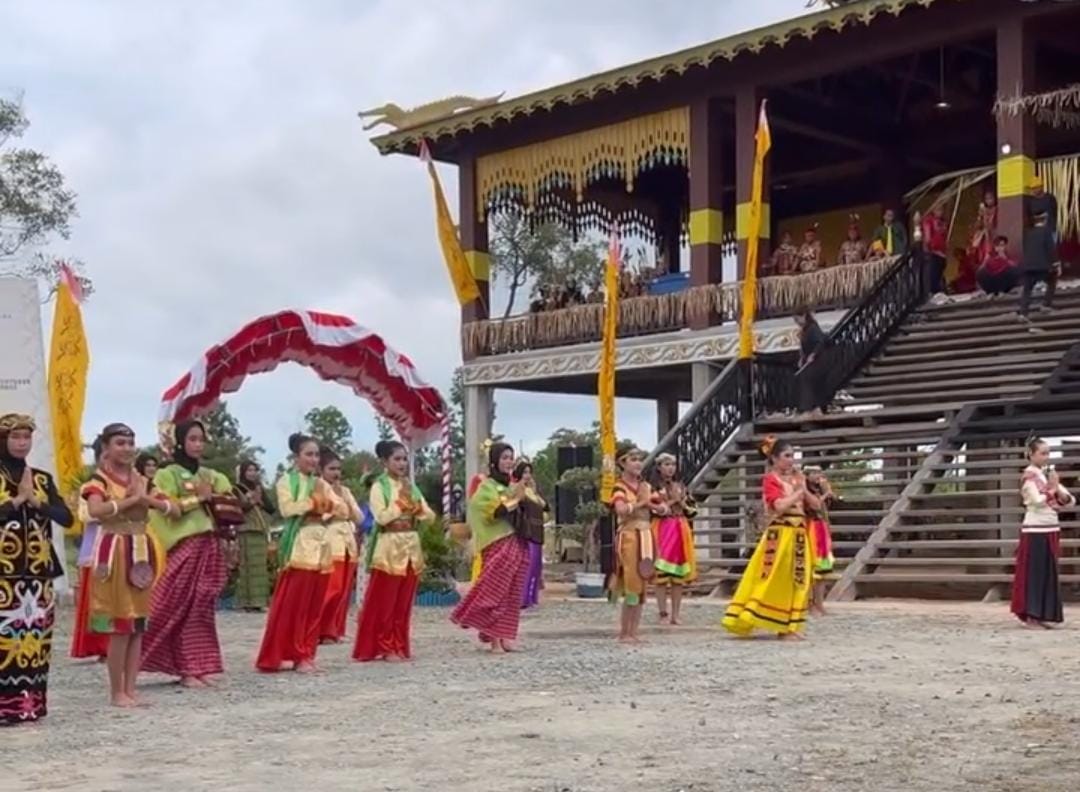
[(998, 274)]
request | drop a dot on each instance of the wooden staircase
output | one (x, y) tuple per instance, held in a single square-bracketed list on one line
[(924, 510)]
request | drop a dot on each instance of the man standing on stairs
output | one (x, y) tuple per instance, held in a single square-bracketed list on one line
[(811, 341), (1039, 254)]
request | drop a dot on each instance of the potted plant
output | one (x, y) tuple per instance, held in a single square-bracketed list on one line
[(583, 483), (437, 585)]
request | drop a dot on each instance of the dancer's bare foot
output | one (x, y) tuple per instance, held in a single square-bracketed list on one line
[(192, 682), (792, 637), (208, 681), (1047, 625), (1031, 624), (393, 658), (497, 647), (123, 701), (818, 610), (665, 619), (509, 646), (676, 622), (306, 667)]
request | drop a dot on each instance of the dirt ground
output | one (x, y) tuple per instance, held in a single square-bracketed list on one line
[(884, 696)]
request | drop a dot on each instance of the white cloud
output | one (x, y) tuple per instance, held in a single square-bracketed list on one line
[(222, 172)]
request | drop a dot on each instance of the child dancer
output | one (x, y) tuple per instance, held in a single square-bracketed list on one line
[(676, 564), (633, 552), (84, 641), (820, 535), (341, 534)]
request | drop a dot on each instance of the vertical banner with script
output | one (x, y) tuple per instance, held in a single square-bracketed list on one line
[(22, 374)]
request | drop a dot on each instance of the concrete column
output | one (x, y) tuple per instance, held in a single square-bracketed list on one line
[(474, 240), (667, 415), (479, 422), (1015, 134), (747, 110), (701, 377)]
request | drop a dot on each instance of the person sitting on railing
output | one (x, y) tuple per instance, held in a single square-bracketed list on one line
[(810, 259), (785, 259), (853, 249), (892, 234), (999, 274), (812, 340)]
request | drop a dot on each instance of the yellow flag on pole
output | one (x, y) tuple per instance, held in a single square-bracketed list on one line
[(457, 265), (605, 388), (69, 363), (763, 140)]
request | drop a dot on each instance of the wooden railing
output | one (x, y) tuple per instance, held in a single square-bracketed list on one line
[(831, 288)]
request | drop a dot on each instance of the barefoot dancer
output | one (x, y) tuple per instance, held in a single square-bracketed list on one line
[(253, 539), (676, 564), (1036, 594), (125, 561), (341, 536), (181, 638), (820, 535), (393, 557), (308, 505), (775, 588), (633, 552), (84, 641), (529, 525), (493, 605)]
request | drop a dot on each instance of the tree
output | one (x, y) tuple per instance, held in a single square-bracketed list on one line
[(330, 427), (385, 429), (34, 201), (226, 445)]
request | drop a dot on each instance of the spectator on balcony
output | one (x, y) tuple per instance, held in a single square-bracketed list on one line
[(936, 243), (785, 259), (1039, 254), (853, 250), (812, 340), (999, 274), (984, 231), (810, 251), (891, 234)]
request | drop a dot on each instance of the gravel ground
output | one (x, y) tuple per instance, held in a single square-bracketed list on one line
[(884, 696)]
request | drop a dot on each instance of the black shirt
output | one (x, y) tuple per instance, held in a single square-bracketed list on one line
[(811, 339)]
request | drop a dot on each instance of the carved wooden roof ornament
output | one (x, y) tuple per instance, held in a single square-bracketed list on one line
[(399, 118)]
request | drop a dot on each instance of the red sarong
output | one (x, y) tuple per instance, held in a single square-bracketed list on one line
[(292, 625), (83, 642), (182, 637), (335, 610), (493, 605), (386, 616)]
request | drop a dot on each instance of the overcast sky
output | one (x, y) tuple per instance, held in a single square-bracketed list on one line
[(222, 172)]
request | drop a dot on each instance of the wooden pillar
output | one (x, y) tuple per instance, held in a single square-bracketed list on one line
[(1015, 134), (667, 415), (669, 236), (747, 109), (706, 194), (479, 418), (474, 240)]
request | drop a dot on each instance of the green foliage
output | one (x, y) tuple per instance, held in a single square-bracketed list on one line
[(329, 426), (440, 559), (226, 445), (34, 201), (384, 429)]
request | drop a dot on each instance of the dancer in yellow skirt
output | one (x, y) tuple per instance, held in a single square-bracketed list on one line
[(633, 551), (774, 593)]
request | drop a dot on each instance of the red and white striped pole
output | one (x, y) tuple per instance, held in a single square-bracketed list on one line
[(447, 470)]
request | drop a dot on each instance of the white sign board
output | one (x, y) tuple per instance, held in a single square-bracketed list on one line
[(22, 374)]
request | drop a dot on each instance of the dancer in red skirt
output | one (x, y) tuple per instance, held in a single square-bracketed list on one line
[(493, 605), (341, 538), (1036, 594), (84, 642), (308, 505), (181, 638), (394, 559)]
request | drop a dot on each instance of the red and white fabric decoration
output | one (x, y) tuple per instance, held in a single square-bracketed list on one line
[(335, 348)]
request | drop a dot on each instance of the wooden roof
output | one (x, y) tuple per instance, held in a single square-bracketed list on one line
[(585, 89)]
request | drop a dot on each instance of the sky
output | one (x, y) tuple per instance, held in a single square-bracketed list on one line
[(222, 174)]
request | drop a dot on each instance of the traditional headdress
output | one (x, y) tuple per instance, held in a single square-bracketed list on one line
[(15, 421), (768, 444), (812, 469), (627, 450), (666, 457), (115, 430), (812, 228), (853, 222)]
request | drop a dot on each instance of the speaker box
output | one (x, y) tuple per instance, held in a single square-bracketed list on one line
[(569, 457)]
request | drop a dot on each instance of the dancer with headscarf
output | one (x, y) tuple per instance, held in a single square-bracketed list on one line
[(676, 562), (493, 605), (634, 551), (529, 525), (84, 642), (253, 539), (341, 538), (181, 639), (393, 557), (308, 505), (29, 505), (126, 561)]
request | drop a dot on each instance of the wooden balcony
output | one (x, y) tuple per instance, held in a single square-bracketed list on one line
[(827, 289)]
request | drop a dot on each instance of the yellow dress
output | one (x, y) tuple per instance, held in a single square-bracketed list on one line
[(394, 552), (633, 543), (774, 592)]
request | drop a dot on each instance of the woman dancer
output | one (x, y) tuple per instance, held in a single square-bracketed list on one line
[(29, 504), (84, 642), (126, 561), (253, 539), (775, 588), (394, 559), (676, 563), (341, 537), (529, 525), (820, 535), (181, 639), (1036, 593), (146, 465), (493, 605), (308, 505), (634, 550)]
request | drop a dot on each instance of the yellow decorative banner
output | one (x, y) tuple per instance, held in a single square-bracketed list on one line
[(69, 363), (457, 264), (620, 150), (605, 387), (763, 140)]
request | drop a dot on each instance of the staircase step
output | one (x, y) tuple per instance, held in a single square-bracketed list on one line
[(962, 544), (1001, 561), (990, 393), (966, 527), (1019, 344), (893, 386), (1025, 359), (995, 322), (1039, 371)]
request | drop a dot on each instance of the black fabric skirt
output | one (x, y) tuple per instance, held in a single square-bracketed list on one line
[(1036, 594)]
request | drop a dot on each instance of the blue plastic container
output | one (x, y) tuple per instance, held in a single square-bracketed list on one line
[(670, 284), (437, 599)]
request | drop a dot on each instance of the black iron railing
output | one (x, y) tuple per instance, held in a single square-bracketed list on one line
[(702, 432), (1065, 378), (775, 388), (863, 330)]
